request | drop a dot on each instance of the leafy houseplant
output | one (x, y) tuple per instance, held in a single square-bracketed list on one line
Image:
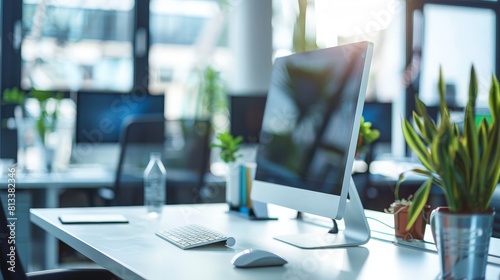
[(366, 136), (212, 99), (463, 163), (228, 145), (42, 124), (47, 119)]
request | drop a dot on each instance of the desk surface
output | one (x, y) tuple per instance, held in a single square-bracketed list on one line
[(87, 177), (132, 251)]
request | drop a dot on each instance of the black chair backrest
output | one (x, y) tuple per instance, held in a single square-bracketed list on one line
[(184, 144), (11, 266)]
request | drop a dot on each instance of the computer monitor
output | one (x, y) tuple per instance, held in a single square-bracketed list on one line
[(308, 140), (246, 113), (100, 115), (379, 114)]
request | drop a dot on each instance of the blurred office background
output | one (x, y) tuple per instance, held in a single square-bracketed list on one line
[(116, 58)]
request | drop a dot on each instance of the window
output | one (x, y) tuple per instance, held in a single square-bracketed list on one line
[(335, 22), (455, 38), (72, 45), (184, 35)]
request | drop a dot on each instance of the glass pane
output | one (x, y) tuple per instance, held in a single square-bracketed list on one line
[(335, 22), (454, 38), (72, 45), (185, 35)]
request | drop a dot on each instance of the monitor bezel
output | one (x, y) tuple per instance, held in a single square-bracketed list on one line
[(322, 204)]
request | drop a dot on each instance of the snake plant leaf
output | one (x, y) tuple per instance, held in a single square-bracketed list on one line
[(420, 171), (456, 130), (428, 127), (416, 144), (443, 109), (444, 149), (419, 124), (494, 150), (470, 129), (473, 87), (418, 203), (494, 98), (483, 152), (462, 160)]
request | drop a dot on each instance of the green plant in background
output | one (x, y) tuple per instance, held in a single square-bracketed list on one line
[(212, 98), (464, 163), (229, 146), (47, 119), (302, 41), (367, 135)]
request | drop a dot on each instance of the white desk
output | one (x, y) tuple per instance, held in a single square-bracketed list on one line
[(132, 251)]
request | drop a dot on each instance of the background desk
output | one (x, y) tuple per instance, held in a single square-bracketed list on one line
[(132, 251), (49, 186)]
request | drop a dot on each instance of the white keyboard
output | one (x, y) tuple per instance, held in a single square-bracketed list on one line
[(193, 235)]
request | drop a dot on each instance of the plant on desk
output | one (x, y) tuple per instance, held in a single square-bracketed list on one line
[(399, 208), (229, 147), (44, 123), (464, 162), (366, 136)]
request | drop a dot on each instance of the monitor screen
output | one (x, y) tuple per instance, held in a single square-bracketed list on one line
[(100, 115), (246, 116), (310, 127), (380, 115)]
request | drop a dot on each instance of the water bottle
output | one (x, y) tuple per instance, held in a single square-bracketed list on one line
[(155, 184)]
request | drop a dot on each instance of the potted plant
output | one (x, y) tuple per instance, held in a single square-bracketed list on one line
[(367, 135), (399, 208), (44, 122), (229, 147), (212, 99), (464, 163)]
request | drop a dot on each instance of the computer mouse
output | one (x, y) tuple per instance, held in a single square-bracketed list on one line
[(257, 258)]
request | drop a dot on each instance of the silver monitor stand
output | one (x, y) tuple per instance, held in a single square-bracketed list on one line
[(356, 232)]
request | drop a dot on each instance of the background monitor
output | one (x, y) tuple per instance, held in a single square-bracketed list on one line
[(380, 115), (309, 131), (246, 113), (100, 115)]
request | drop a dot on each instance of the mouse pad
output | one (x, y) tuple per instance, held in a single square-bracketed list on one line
[(92, 218)]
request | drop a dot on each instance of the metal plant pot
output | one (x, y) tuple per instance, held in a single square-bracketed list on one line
[(462, 242)]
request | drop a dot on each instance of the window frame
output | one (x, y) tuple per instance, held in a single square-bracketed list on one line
[(10, 71)]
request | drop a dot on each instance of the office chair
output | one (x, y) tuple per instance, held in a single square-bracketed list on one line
[(53, 274), (184, 144)]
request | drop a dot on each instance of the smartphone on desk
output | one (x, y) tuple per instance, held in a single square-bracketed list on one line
[(93, 219)]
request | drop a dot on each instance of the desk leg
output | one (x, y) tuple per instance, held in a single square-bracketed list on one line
[(51, 244)]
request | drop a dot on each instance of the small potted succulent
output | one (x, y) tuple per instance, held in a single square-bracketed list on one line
[(399, 208)]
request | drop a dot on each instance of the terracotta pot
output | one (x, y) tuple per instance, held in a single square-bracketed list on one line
[(417, 231)]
